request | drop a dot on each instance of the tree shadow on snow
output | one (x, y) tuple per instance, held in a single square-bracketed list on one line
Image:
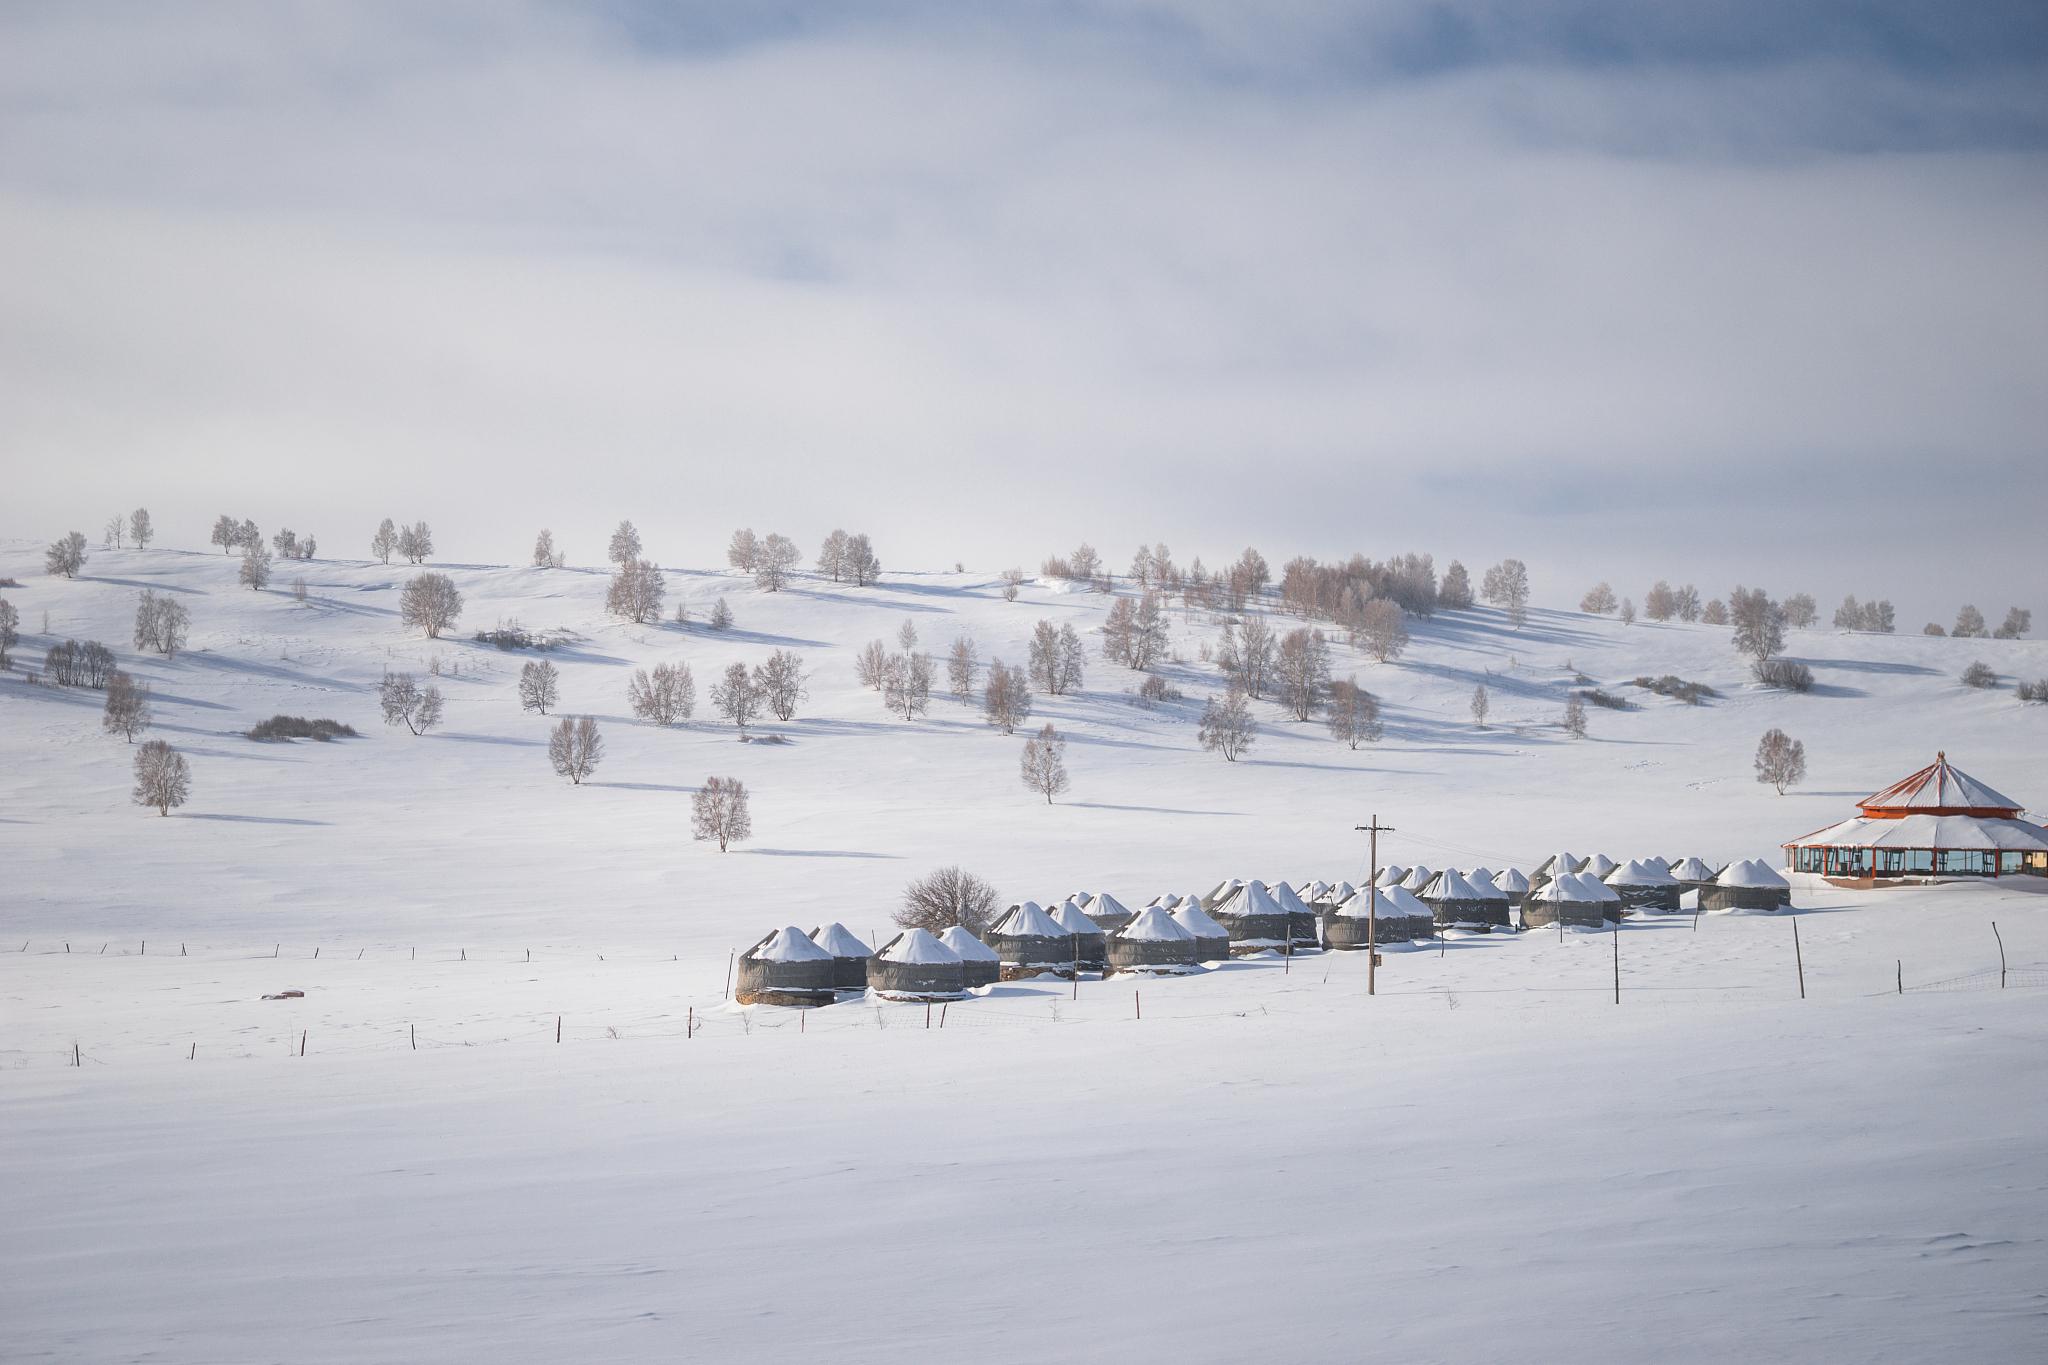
[(253, 819), (138, 583), (1152, 810), (491, 739), (642, 786), (819, 853)]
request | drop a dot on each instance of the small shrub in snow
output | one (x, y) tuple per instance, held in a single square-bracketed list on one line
[(1785, 675), (2033, 691), (1677, 688), (1979, 674), (1607, 700), (1155, 690), (298, 727)]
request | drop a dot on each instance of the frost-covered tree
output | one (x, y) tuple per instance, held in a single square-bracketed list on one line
[(1353, 714), (1301, 667), (1227, 726), (1969, 624), (1481, 704), (1933, 628), (743, 551), (539, 686), (1013, 582), (1118, 625), (1383, 629), (1780, 760), (780, 682), (431, 602), (1456, 592), (1759, 623), (832, 555), (635, 591), (1688, 604), (778, 556), (719, 812), (162, 777), (735, 696), (1006, 696), (406, 703), (66, 555), (906, 635), (416, 542), (961, 661), (161, 622), (721, 615), (1245, 654), (1660, 603), (871, 664), (860, 565), (947, 897), (1801, 611), (140, 529), (286, 543), (1046, 673), (1715, 613), (2018, 621), (1628, 611), (1575, 718), (114, 532), (1506, 585), (1599, 600), (907, 684), (384, 542), (625, 546), (575, 748), (10, 628), (255, 571), (127, 708), (1148, 631), (544, 553), (667, 696), (1044, 763)]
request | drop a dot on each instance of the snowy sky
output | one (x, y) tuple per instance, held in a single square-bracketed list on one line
[(1754, 290)]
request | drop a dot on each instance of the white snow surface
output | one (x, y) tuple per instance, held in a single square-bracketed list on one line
[(1154, 926), (790, 944), (917, 945), (966, 946), (840, 941), (1851, 1176)]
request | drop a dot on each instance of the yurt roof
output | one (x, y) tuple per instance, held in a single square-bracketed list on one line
[(1284, 897), (1072, 921), (1940, 788), (917, 946), (1028, 921), (1193, 918), (967, 947), (1693, 870), (789, 944), (1485, 889), (836, 939), (1259, 901), (1751, 872), (1394, 902), (1569, 887), (1106, 904), (1481, 873), (1390, 875), (1450, 885), (1511, 880), (1571, 863), (1417, 878), (1654, 861), (1599, 865), (1931, 831), (1633, 873), (1154, 926)]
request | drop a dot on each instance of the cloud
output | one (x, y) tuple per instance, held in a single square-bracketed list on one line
[(1377, 277)]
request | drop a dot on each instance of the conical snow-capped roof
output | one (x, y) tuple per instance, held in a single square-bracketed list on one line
[(915, 945), (1155, 926), (1692, 870), (1654, 861), (1572, 886), (1286, 899), (1940, 788), (836, 939), (1193, 918), (1481, 873), (1104, 904), (1634, 873), (789, 944), (967, 947), (1072, 921), (1393, 902), (1450, 885), (1751, 872), (1485, 888), (1390, 875), (1511, 880), (1027, 920), (1599, 865), (1417, 878)]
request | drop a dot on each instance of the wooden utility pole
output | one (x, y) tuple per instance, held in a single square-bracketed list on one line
[(1372, 833)]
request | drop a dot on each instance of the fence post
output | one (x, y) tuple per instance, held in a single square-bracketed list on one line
[(942, 1016), (728, 972), (927, 1014), (558, 1028), (1902, 976), (1798, 960), (302, 1042), (690, 1024), (414, 1030), (2001, 953), (1617, 962)]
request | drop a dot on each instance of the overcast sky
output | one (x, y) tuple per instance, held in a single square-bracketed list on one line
[(1751, 290)]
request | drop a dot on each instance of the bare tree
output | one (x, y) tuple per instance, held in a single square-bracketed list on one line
[(161, 622), (381, 544), (1044, 765), (778, 556), (721, 615), (2018, 621), (1481, 704), (66, 555), (1013, 580), (10, 628), (735, 696), (539, 686), (871, 664), (961, 662), (1046, 672), (1759, 623), (1660, 603), (1628, 611), (1227, 725), (1301, 666), (299, 591), (665, 696), (1245, 654), (947, 897), (431, 602), (1148, 632), (544, 554), (1353, 715), (625, 546), (1933, 628), (406, 703), (127, 710), (1780, 760), (780, 682), (286, 543), (1006, 697), (1118, 625), (1801, 611), (743, 551), (1575, 718), (906, 635), (249, 535), (907, 684), (859, 563), (1073, 656), (719, 812), (832, 555), (1383, 629), (162, 777), (1456, 592), (416, 542), (1506, 585), (1687, 603), (636, 590), (255, 571), (141, 529), (112, 534), (1715, 613), (575, 748), (1598, 601), (227, 533), (1969, 624)]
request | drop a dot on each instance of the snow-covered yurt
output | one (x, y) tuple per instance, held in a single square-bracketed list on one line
[(1212, 940), (1152, 944), (1301, 921), (1751, 884), (1390, 875), (1107, 911), (1644, 886), (786, 968), (1513, 883), (1222, 893), (1456, 903), (1569, 899), (1692, 874), (1418, 877), (1599, 865), (848, 953), (1255, 921), (979, 965), (1548, 867), (1401, 919), (915, 966), (1030, 943), (1087, 950)]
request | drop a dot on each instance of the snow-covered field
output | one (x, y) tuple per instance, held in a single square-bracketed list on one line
[(1489, 1160)]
